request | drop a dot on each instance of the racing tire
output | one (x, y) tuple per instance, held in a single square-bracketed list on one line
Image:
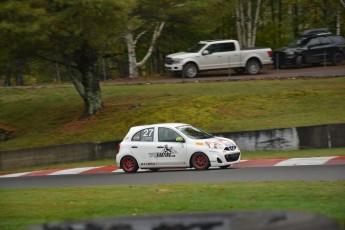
[(200, 161), (337, 59), (189, 70), (129, 164), (299, 62), (253, 67)]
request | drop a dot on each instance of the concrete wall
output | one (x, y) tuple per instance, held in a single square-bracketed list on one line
[(68, 153), (321, 136)]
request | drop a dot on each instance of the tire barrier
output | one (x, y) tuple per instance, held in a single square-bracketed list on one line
[(246, 220)]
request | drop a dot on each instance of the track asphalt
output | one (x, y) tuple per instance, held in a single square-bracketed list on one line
[(329, 160)]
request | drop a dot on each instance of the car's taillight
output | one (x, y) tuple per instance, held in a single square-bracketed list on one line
[(270, 53), (118, 147)]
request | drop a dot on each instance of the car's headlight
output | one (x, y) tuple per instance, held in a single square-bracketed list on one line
[(214, 145), (177, 61)]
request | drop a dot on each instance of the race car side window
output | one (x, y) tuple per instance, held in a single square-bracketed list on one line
[(144, 135), (167, 135)]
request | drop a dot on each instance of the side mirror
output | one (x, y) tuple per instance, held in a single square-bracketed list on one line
[(179, 139), (205, 52)]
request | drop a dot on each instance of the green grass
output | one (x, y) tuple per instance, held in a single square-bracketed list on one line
[(49, 116), (26, 207)]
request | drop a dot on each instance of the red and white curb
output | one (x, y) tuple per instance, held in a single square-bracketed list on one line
[(331, 160)]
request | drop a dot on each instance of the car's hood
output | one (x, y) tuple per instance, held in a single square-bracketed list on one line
[(218, 142), (182, 55), (221, 140)]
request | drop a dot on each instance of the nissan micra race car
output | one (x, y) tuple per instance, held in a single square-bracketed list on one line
[(173, 145)]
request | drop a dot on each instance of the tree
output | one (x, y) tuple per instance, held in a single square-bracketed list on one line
[(72, 33), (152, 16), (247, 21)]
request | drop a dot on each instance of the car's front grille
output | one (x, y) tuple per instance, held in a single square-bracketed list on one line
[(232, 157), (169, 61), (230, 148)]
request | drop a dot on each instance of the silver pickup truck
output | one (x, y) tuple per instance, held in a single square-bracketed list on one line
[(215, 55)]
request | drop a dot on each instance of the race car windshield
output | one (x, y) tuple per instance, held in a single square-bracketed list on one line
[(196, 48), (194, 133)]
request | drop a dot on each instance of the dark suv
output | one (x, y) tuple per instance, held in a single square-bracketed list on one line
[(312, 46)]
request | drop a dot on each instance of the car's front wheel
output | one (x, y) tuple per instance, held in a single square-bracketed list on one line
[(129, 164), (200, 161), (189, 70)]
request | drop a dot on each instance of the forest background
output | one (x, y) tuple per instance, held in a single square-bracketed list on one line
[(88, 41)]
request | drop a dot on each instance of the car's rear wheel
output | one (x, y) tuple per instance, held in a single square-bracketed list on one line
[(253, 67), (337, 59), (129, 164), (189, 70), (200, 161)]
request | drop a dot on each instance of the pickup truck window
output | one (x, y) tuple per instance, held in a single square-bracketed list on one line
[(221, 47)]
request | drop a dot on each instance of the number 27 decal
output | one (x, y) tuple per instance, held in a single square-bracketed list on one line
[(148, 132)]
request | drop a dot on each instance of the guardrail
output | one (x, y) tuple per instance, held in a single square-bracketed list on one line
[(320, 136)]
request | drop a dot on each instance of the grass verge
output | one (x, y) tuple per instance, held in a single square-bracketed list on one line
[(45, 116), (25, 207)]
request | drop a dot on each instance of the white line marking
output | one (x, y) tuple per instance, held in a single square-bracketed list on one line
[(14, 175), (72, 171), (304, 161)]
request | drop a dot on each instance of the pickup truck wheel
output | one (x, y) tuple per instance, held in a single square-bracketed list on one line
[(190, 70), (337, 59), (253, 67)]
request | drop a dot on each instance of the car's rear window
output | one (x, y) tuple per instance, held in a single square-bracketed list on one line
[(144, 135)]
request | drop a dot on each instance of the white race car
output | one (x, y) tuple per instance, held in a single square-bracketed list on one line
[(172, 145)]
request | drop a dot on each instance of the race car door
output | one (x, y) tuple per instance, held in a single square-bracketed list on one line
[(143, 147), (171, 153)]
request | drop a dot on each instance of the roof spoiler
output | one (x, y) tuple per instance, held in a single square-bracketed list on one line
[(315, 32)]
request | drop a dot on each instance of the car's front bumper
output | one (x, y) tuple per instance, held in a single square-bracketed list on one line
[(225, 159), (284, 59), (173, 67)]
